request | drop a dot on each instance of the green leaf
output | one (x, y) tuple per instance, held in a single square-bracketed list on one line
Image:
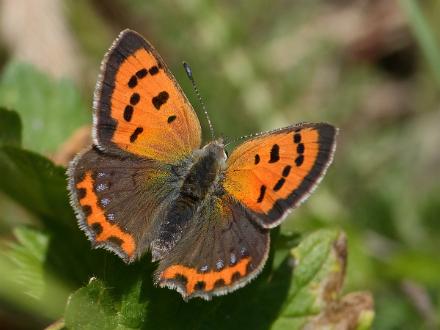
[(10, 128), (133, 312), (91, 307), (94, 307), (313, 300), (36, 183), (50, 109), (28, 255), (25, 281)]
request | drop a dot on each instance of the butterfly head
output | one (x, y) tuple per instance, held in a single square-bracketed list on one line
[(216, 149)]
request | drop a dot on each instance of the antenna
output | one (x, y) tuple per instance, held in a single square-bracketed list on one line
[(241, 138), (252, 135), (196, 90)]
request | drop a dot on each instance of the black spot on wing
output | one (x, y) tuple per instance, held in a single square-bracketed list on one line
[(274, 154), (135, 134), (132, 83), (200, 285), (96, 228), (128, 112), (236, 276), (299, 160), (219, 283), (171, 119), (300, 148), (154, 70), (141, 73), (115, 240), (286, 170), (297, 138), (160, 99), (81, 193), (262, 192), (257, 159), (135, 98), (279, 184), (181, 278), (87, 210)]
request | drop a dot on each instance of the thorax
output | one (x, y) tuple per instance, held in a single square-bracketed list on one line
[(203, 171)]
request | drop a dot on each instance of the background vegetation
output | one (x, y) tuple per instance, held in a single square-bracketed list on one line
[(370, 67)]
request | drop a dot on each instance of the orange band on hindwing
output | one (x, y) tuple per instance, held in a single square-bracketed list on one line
[(103, 229), (209, 279)]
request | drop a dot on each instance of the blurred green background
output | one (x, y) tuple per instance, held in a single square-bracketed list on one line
[(370, 67)]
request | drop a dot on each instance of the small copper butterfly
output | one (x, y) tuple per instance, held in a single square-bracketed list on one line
[(147, 185)]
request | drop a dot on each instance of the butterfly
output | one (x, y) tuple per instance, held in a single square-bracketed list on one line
[(146, 184)]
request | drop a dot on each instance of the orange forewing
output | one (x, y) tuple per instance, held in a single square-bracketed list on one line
[(282, 167), (149, 112)]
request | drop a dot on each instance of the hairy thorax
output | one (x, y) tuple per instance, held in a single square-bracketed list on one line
[(199, 180), (204, 173)]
